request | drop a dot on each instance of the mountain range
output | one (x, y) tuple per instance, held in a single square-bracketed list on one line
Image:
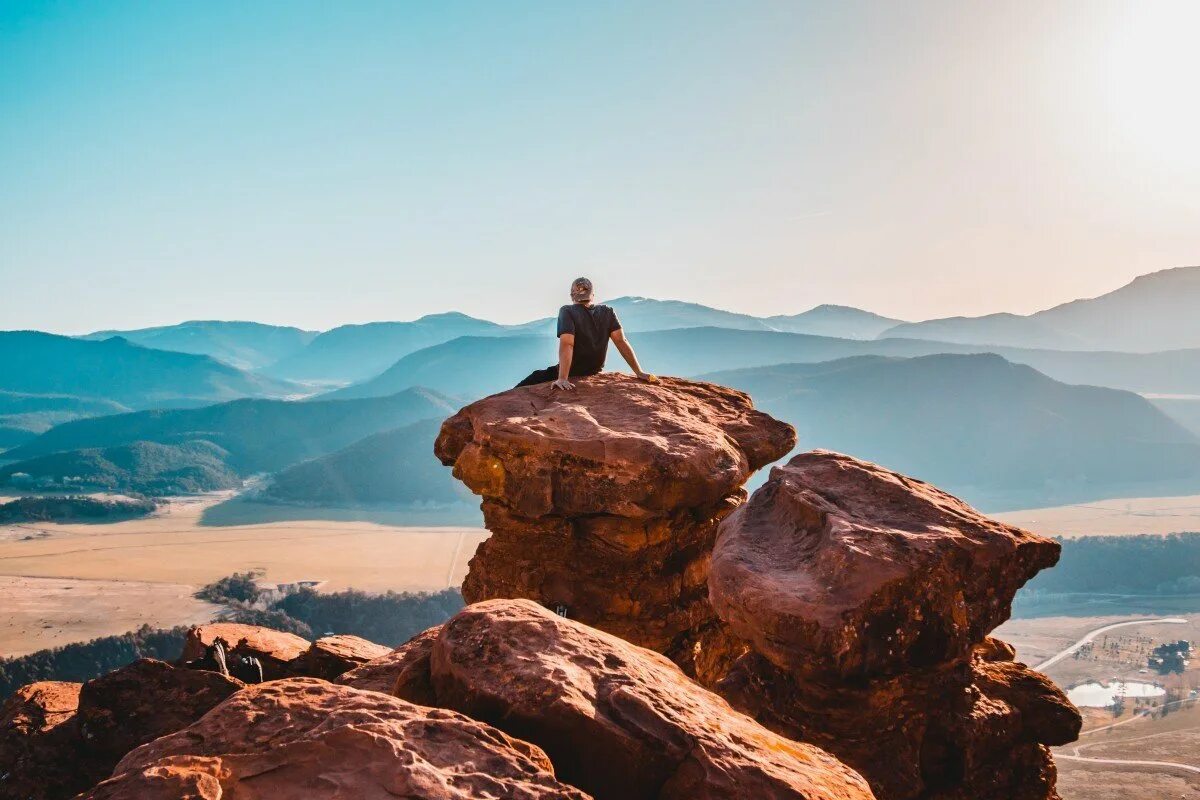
[(245, 345), (1153, 312)]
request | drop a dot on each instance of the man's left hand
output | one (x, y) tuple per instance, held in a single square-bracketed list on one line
[(647, 377)]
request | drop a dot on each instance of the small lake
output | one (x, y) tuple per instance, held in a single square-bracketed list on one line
[(1100, 695)]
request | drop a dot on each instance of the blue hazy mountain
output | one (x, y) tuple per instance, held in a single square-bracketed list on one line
[(1154, 312), (356, 352), (394, 467), (259, 435), (997, 433), (146, 468), (23, 416), (122, 372), (471, 367), (245, 345)]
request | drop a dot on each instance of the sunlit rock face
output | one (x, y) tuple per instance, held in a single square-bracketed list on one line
[(616, 720), (865, 598), (604, 502)]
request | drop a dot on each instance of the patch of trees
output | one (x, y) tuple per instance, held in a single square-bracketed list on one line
[(1170, 657), (73, 507), (1149, 565), (84, 661), (390, 618)]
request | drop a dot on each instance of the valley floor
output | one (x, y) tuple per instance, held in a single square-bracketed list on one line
[(86, 580), (1119, 517)]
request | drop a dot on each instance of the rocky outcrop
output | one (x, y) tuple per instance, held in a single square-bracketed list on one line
[(865, 597), (275, 650), (604, 502), (307, 739), (40, 754), (332, 656), (403, 672), (57, 739), (617, 720), (143, 701)]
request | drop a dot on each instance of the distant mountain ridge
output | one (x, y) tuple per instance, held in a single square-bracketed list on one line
[(1153, 312), (259, 435), (997, 433), (119, 371), (245, 345), (470, 367)]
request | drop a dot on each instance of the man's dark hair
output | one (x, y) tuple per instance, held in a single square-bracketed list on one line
[(582, 282)]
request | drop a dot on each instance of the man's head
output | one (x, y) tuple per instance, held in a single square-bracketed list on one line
[(581, 290)]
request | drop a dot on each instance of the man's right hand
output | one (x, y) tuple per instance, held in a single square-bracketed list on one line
[(564, 384)]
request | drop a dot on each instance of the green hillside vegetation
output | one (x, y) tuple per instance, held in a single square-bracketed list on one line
[(394, 467), (148, 468), (259, 435), (23, 416), (73, 508), (122, 372), (1001, 435), (86, 660), (1151, 565), (245, 345)]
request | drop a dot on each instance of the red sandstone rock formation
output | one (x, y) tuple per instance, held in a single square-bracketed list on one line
[(403, 672), (604, 501), (866, 597), (307, 739), (39, 743), (143, 701), (331, 656), (617, 720), (274, 649)]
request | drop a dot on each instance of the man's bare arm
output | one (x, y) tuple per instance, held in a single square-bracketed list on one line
[(566, 351), (626, 351)]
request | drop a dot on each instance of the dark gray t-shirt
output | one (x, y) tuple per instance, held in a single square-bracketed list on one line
[(592, 326)]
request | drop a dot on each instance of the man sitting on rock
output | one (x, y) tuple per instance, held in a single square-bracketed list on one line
[(584, 330)]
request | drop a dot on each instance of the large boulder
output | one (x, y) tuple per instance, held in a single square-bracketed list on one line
[(332, 656), (841, 566), (604, 502), (307, 739), (865, 598), (275, 650), (143, 701), (40, 753), (403, 672), (617, 720)]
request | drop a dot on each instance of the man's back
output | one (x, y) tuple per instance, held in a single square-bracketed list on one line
[(591, 326)]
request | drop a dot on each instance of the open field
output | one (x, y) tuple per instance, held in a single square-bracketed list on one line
[(1120, 517), (50, 612), (124, 574), (1134, 735)]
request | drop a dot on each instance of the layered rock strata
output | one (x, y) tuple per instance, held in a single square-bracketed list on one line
[(617, 720), (865, 597), (604, 502)]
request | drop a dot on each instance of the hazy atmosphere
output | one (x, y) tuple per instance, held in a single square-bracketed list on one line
[(865, 467), (313, 164)]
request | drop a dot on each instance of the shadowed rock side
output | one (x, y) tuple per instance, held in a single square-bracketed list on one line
[(605, 501), (866, 597), (307, 739), (617, 720)]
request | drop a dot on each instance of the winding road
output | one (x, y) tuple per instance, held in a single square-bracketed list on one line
[(1090, 635), (1119, 762)]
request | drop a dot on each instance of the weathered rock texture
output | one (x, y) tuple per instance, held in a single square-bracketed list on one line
[(276, 650), (39, 743), (403, 672), (147, 699), (605, 501), (332, 656), (307, 739), (617, 720), (866, 597)]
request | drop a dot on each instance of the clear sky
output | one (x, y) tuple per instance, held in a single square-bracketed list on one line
[(320, 163)]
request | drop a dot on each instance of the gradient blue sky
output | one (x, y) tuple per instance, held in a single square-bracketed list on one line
[(320, 163)]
